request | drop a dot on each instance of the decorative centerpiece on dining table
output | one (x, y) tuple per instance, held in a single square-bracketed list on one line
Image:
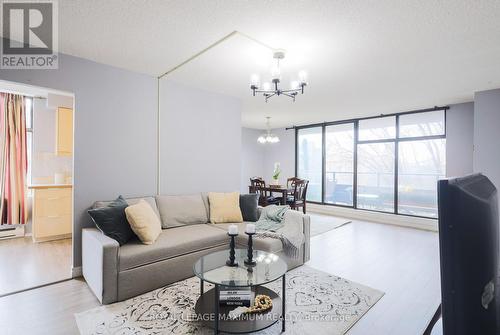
[(276, 176)]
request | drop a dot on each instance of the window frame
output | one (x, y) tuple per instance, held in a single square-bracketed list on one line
[(356, 141)]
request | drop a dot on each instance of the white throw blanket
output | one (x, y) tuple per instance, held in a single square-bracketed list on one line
[(291, 234)]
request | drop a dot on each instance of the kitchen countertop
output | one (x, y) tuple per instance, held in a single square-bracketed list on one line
[(39, 186)]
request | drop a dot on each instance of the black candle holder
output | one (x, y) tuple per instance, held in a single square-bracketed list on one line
[(231, 261), (249, 261)]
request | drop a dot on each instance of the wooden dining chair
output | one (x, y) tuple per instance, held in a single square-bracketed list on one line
[(257, 185), (299, 192), (290, 184)]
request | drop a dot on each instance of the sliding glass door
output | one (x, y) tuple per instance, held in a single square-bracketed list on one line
[(339, 164), (310, 160), (375, 177), (388, 164), (376, 164), (421, 163)]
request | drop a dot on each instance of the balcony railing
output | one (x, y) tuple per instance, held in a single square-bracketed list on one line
[(417, 193)]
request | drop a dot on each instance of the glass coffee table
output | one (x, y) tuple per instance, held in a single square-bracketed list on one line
[(212, 268)]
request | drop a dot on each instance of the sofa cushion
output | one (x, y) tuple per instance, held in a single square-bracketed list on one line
[(132, 201), (181, 210), (259, 243), (248, 205), (111, 220), (171, 243), (224, 207), (204, 197), (143, 221)]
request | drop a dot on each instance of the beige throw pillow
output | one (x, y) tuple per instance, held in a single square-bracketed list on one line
[(224, 207), (181, 210), (143, 221)]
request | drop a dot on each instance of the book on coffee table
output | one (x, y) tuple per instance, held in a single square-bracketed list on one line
[(235, 295)]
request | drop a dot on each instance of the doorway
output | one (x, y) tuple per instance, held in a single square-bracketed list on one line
[(36, 248)]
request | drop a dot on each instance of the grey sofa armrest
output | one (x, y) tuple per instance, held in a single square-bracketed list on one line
[(100, 264)]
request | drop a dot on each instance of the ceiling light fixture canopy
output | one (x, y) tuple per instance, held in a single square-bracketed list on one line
[(268, 137), (269, 90)]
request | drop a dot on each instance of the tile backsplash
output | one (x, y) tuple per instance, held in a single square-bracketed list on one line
[(47, 164)]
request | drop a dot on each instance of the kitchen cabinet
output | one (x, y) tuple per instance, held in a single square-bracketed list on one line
[(64, 131), (52, 212)]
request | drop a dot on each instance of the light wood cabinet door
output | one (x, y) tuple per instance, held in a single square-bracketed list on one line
[(52, 213), (64, 132)]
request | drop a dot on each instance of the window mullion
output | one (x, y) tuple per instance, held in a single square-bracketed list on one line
[(355, 167), (396, 166), (323, 164)]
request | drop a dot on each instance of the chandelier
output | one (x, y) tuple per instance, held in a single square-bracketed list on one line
[(268, 137), (269, 90)]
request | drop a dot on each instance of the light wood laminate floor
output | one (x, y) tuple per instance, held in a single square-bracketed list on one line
[(402, 262), (25, 264)]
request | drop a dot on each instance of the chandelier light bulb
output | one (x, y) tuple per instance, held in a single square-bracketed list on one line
[(303, 76), (266, 86), (275, 72), (255, 80), (294, 85), (261, 139)]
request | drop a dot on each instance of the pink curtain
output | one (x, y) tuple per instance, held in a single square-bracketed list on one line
[(13, 160)]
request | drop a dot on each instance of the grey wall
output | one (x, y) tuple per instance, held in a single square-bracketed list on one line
[(487, 134), (115, 131), (200, 140), (459, 139), (252, 157)]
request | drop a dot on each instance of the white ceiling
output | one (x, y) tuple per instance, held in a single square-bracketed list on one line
[(363, 57)]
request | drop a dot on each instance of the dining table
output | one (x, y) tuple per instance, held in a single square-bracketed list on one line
[(283, 190)]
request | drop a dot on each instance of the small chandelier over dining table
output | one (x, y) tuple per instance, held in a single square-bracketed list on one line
[(268, 137), (272, 89)]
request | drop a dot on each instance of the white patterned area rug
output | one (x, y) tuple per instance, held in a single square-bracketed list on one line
[(316, 303)]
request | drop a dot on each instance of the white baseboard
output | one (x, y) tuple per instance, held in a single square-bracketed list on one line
[(76, 272), (398, 220)]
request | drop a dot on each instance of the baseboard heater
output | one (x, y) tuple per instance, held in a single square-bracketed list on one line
[(11, 232)]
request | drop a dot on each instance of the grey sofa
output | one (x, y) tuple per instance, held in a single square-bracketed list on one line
[(117, 273)]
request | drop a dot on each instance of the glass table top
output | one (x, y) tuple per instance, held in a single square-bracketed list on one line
[(213, 269)]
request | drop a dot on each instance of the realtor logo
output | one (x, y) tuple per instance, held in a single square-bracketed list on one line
[(29, 31)]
